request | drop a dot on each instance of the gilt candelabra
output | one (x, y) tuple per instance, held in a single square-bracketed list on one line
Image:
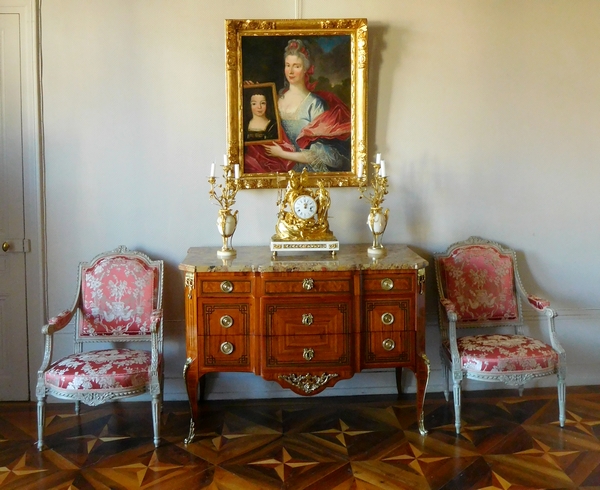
[(378, 216), (224, 195)]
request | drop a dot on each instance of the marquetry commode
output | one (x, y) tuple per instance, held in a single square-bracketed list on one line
[(304, 321)]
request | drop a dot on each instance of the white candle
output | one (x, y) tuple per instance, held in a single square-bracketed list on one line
[(378, 158), (360, 169), (212, 169), (236, 171), (382, 171), (225, 162)]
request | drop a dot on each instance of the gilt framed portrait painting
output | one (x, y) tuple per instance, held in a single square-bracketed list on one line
[(297, 99)]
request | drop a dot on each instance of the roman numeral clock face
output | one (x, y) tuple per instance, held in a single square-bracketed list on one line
[(305, 207)]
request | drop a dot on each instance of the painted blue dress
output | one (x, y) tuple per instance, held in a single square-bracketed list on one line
[(326, 155)]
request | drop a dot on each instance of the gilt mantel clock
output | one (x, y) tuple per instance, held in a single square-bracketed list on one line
[(302, 221)]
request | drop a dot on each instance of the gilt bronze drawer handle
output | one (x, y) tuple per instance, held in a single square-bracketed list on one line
[(308, 284), (308, 354), (388, 344), (226, 348), (387, 284), (307, 319), (387, 318), (226, 321), (226, 286)]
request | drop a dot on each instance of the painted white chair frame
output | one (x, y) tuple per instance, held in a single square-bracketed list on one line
[(449, 323), (154, 338)]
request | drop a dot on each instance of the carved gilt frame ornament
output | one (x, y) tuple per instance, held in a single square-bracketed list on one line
[(333, 55)]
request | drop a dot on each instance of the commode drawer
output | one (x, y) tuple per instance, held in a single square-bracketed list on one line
[(225, 351), (229, 285), (307, 283), (310, 318), (394, 314), (390, 282), (220, 318), (382, 348), (308, 351), (316, 332)]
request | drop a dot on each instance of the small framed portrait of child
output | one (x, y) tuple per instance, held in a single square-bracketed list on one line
[(260, 114)]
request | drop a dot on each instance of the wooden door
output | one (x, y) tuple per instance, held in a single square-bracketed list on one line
[(13, 306)]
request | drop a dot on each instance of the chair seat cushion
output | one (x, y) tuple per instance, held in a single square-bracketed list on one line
[(101, 370), (504, 354)]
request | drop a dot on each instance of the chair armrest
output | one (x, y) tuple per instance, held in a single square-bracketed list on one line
[(538, 303), (58, 322), (450, 309), (55, 324), (155, 318)]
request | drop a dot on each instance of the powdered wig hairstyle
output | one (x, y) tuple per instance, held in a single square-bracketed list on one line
[(296, 47)]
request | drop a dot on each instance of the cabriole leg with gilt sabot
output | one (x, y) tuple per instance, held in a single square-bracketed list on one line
[(190, 375), (422, 375)]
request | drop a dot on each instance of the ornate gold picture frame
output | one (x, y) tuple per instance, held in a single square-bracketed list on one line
[(316, 71)]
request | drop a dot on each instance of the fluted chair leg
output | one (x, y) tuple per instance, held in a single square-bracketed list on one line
[(156, 409), (562, 397), (41, 421), (457, 404)]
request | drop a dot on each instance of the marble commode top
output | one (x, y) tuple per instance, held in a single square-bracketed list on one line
[(260, 259)]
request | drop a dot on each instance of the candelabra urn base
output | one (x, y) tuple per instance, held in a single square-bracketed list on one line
[(226, 224), (377, 222), (376, 251)]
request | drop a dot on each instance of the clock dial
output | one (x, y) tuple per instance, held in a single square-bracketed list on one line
[(305, 207)]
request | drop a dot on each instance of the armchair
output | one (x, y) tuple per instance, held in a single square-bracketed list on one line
[(479, 287), (118, 301)]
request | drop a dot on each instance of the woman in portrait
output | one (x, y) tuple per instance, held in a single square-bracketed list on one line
[(316, 124)]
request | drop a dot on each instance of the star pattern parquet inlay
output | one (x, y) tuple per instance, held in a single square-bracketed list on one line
[(363, 443)]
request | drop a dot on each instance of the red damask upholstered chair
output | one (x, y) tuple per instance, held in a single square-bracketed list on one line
[(118, 301), (479, 286)]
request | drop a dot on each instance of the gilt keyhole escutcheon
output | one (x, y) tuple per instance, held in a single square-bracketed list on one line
[(308, 354), (307, 319)]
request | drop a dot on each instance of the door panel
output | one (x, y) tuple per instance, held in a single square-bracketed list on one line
[(13, 316)]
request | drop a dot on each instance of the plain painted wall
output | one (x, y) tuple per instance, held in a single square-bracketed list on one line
[(487, 113)]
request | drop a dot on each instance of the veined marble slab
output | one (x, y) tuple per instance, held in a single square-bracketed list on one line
[(260, 259)]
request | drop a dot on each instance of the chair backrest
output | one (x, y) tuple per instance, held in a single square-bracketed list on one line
[(119, 290), (481, 279)]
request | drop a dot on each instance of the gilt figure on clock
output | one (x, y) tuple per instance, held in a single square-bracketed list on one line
[(302, 220)]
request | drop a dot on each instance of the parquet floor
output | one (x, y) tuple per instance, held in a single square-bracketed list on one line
[(319, 443)]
